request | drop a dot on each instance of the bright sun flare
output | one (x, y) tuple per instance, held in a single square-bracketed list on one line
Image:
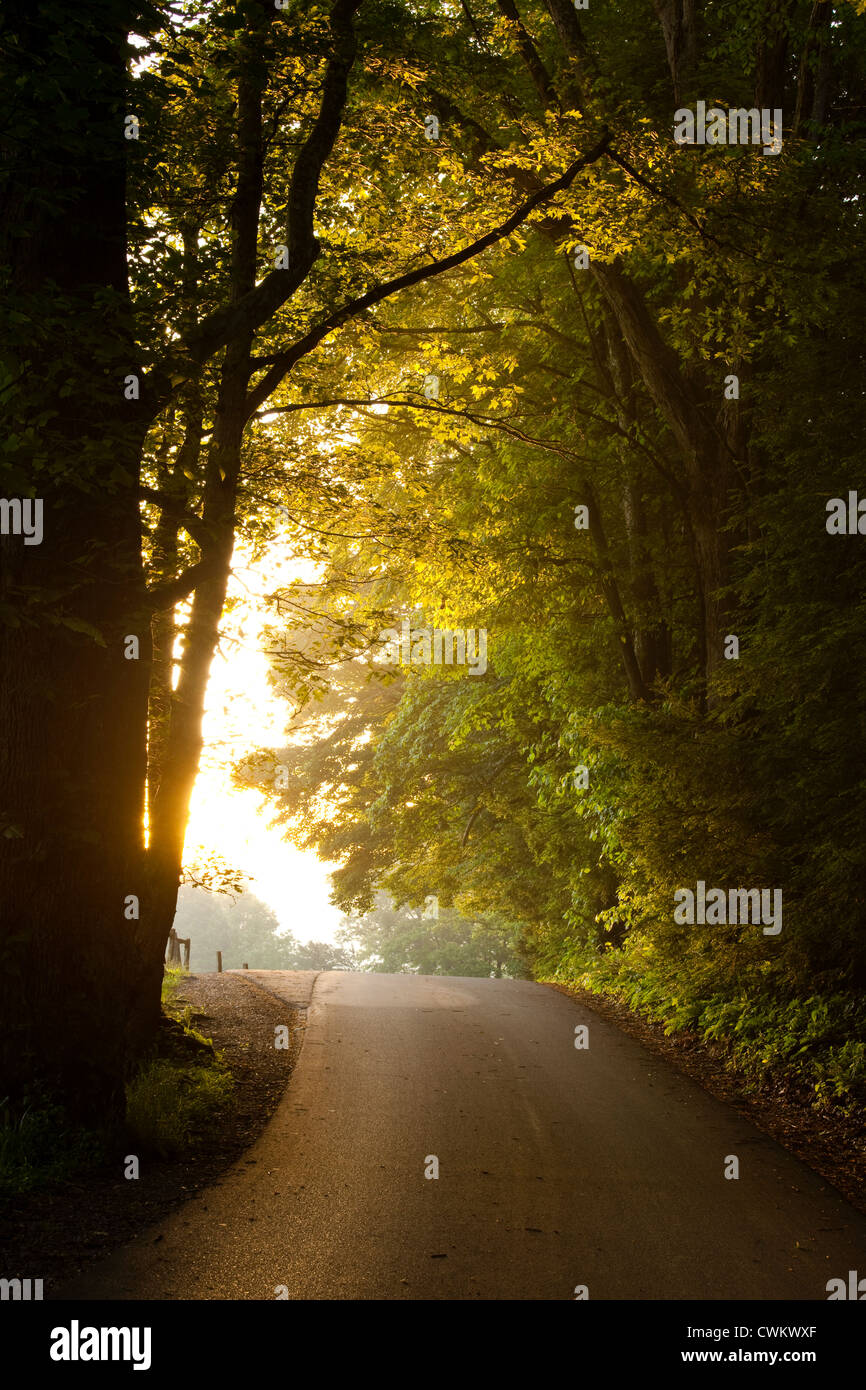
[(242, 713)]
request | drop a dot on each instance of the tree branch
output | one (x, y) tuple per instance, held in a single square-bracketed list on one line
[(285, 361), (172, 591), (254, 308), (174, 508), (535, 67)]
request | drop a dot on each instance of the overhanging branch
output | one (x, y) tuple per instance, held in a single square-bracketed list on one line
[(286, 360)]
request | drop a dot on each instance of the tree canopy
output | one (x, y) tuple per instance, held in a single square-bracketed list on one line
[(433, 293)]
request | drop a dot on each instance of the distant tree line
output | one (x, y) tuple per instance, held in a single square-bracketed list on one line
[(394, 940), (247, 932)]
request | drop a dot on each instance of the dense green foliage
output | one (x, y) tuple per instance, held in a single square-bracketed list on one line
[(608, 646)]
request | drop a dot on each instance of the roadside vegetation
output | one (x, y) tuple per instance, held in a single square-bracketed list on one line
[(171, 1099)]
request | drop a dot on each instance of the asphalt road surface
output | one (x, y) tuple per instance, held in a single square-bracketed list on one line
[(558, 1168)]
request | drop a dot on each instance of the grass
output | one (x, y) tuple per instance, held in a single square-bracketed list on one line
[(171, 982), (39, 1145), (170, 1104), (173, 1098)]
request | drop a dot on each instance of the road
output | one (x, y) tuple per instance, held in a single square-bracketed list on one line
[(558, 1168)]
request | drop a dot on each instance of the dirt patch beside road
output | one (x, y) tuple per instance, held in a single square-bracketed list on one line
[(53, 1233)]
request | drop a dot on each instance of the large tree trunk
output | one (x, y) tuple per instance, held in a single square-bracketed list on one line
[(73, 691)]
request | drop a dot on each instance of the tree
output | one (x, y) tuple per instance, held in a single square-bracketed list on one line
[(551, 313), (244, 929), (74, 605), (116, 416), (424, 942)]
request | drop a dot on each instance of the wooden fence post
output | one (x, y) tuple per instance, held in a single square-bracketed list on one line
[(173, 948), (219, 960), (185, 943)]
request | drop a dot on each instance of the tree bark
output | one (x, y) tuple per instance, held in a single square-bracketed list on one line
[(679, 27), (72, 706)]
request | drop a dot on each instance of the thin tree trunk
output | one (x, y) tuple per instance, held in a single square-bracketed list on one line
[(610, 590), (652, 636), (679, 26), (815, 68), (183, 746), (165, 563), (771, 56), (707, 459)]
